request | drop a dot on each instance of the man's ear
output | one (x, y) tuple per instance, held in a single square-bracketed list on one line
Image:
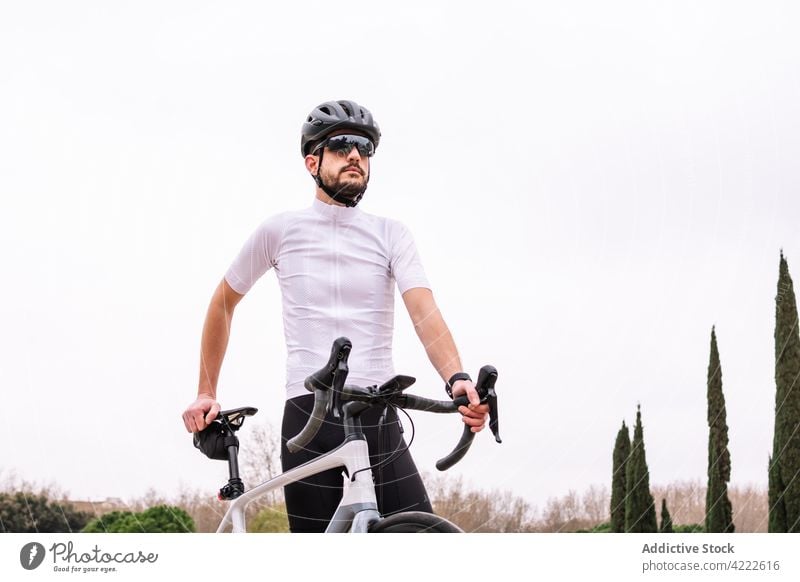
[(312, 164)]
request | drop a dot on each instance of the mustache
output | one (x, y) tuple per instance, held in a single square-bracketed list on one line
[(356, 168)]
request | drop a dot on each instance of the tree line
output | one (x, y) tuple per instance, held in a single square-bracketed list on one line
[(632, 506), (37, 512)]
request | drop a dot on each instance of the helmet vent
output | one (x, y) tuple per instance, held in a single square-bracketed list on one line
[(337, 115)]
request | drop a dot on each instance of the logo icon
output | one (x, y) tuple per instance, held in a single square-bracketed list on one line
[(31, 555)]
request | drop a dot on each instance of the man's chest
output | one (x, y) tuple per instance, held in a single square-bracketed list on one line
[(335, 262)]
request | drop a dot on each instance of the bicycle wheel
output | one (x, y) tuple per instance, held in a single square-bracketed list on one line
[(414, 522)]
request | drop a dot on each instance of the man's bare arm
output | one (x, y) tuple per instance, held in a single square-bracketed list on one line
[(432, 331), (213, 346), (442, 352)]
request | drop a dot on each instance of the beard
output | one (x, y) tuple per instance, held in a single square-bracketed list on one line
[(345, 188)]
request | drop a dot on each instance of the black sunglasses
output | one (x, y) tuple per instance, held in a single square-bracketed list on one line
[(346, 143)]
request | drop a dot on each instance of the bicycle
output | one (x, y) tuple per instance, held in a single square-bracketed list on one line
[(358, 510)]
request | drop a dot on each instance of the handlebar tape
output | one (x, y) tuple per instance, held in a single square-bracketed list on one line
[(458, 453), (464, 442), (314, 422)]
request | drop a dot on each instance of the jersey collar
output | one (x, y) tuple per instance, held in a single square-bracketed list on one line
[(335, 213)]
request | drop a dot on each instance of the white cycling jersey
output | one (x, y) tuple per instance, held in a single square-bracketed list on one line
[(336, 267)]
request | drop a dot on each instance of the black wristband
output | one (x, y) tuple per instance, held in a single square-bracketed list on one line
[(453, 379)]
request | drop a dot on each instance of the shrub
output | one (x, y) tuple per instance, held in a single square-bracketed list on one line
[(271, 519), (23, 512), (158, 519)]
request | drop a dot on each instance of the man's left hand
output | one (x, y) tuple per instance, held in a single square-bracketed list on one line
[(474, 415)]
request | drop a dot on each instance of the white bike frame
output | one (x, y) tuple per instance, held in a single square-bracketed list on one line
[(358, 508)]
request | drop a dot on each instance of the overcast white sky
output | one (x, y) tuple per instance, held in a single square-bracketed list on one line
[(591, 187)]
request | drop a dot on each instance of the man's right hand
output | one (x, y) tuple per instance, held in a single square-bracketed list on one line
[(200, 413)]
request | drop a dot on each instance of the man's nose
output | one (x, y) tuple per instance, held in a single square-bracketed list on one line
[(353, 154)]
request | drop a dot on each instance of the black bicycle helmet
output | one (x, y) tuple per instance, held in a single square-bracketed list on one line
[(335, 115)]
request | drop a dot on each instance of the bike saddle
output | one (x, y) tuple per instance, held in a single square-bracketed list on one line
[(235, 416), (214, 440)]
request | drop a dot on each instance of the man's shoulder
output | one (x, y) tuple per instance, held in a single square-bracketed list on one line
[(281, 219), (385, 222)]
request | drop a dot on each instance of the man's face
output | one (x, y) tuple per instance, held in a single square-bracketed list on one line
[(346, 174)]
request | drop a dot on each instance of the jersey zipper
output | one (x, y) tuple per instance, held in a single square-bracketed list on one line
[(336, 279)]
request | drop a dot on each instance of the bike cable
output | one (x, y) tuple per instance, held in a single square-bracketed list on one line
[(399, 451)]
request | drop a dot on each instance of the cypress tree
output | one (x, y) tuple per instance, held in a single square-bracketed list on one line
[(666, 518), (640, 509), (622, 450), (719, 515), (777, 509), (784, 464)]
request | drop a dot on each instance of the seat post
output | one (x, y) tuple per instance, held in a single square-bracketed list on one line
[(235, 485), (233, 460)]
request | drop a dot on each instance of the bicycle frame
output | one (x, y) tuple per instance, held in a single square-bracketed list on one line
[(358, 507)]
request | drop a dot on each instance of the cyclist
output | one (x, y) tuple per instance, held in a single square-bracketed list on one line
[(336, 266)]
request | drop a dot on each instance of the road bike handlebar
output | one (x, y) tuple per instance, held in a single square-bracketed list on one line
[(322, 399), (330, 393)]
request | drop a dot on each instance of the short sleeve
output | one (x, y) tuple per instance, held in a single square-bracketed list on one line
[(405, 264), (258, 255)]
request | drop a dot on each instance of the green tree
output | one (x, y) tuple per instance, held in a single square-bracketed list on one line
[(777, 508), (640, 509), (719, 515), (23, 512), (622, 450), (113, 522), (666, 518), (689, 528), (166, 519), (158, 519), (784, 464)]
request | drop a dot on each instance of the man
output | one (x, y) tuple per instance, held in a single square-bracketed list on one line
[(337, 267)]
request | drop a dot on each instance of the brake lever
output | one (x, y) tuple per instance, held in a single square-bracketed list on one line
[(486, 391), (339, 377), (490, 377), (326, 384)]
